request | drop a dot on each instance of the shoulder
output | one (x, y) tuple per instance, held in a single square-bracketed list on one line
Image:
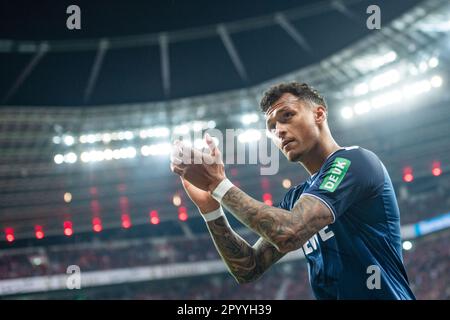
[(357, 158), (361, 165)]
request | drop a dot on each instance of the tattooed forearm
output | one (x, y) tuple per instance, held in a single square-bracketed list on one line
[(285, 230), (246, 263)]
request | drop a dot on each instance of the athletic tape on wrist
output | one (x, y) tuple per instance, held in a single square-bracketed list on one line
[(221, 189), (213, 215)]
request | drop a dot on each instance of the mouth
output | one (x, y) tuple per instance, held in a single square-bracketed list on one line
[(286, 143)]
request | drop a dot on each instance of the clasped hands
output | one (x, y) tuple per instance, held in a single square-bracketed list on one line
[(203, 170)]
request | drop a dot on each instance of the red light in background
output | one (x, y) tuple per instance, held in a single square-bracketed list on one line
[(408, 177), (154, 218), (68, 231), (39, 232), (97, 224), (182, 214), (9, 234), (437, 170), (267, 198), (408, 174), (126, 221)]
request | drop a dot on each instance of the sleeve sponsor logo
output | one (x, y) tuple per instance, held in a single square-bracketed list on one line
[(336, 174)]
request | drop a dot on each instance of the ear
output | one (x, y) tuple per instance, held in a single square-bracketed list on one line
[(320, 114)]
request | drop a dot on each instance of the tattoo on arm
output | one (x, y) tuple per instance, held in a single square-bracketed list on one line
[(246, 263), (285, 230)]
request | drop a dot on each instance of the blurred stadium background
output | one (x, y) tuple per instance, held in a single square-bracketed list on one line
[(87, 116)]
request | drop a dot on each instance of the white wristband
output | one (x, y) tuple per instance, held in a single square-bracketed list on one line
[(213, 215), (221, 189)]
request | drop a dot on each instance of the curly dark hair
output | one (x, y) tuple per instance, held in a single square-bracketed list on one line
[(300, 90)]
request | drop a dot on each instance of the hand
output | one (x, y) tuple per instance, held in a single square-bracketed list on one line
[(204, 171), (202, 199)]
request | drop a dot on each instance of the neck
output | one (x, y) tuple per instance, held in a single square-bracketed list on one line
[(318, 154)]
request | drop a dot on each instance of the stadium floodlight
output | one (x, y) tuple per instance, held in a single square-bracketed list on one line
[(157, 149), (249, 118), (70, 157), (106, 137), (347, 113), (98, 137), (423, 66), (362, 107), (181, 129), (416, 88), (114, 136), (90, 138), (154, 132), (123, 153), (56, 140), (249, 135), (385, 79), (384, 59), (83, 139), (145, 151), (59, 158), (108, 154), (197, 126), (436, 81), (407, 245), (143, 134), (97, 155), (85, 156), (130, 152), (211, 124), (116, 154), (128, 135), (176, 200), (68, 140), (387, 98), (159, 132), (413, 70), (433, 62), (361, 89)]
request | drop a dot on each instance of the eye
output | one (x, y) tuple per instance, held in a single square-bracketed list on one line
[(288, 115), (270, 126)]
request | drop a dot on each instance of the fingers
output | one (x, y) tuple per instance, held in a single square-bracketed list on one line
[(177, 152), (186, 184), (175, 168), (214, 151), (210, 143), (182, 156)]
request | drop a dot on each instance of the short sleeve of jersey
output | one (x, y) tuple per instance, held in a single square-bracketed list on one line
[(284, 204), (346, 178)]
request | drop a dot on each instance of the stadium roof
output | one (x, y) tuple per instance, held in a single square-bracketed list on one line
[(158, 50)]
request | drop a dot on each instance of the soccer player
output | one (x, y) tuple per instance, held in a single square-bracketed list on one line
[(345, 216)]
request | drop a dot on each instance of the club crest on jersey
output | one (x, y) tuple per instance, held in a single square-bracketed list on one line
[(335, 174)]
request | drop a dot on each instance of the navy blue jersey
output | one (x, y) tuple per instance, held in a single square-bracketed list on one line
[(359, 255)]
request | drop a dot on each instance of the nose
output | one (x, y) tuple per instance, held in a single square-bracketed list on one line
[(280, 131)]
